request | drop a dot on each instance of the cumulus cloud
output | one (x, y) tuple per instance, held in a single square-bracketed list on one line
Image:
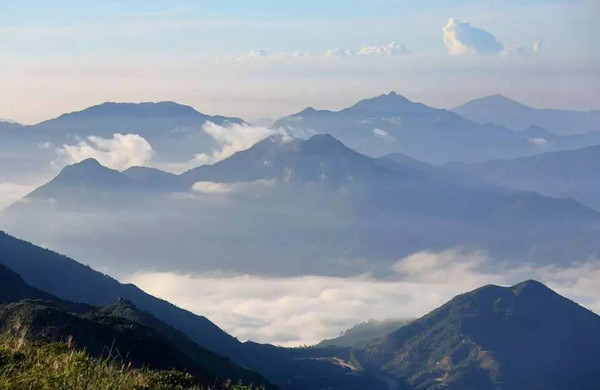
[(260, 53), (384, 136), (541, 142), (391, 49), (214, 188), (119, 152), (210, 187), (305, 309), (230, 139), (339, 53), (462, 38), (263, 54)]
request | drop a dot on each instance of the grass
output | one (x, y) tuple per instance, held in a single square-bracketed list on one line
[(29, 365)]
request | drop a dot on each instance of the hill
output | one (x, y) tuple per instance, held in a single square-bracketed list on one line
[(514, 115), (393, 124), (520, 337), (325, 200), (564, 174), (119, 329)]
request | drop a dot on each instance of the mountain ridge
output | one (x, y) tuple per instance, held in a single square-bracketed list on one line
[(515, 115)]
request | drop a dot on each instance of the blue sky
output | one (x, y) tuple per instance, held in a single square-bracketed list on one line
[(270, 58)]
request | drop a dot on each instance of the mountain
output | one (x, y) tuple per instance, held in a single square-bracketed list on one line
[(174, 131), (520, 337), (363, 334), (320, 159), (565, 174), (324, 200), (123, 305), (507, 112), (68, 279), (393, 124), (78, 183), (145, 119), (136, 336)]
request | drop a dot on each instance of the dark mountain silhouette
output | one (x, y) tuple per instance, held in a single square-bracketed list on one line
[(507, 112), (393, 124), (521, 337), (118, 329), (68, 279), (570, 173), (182, 336)]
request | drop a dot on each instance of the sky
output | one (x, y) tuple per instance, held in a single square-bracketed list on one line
[(271, 58)]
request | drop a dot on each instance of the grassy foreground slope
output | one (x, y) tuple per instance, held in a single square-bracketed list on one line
[(27, 364)]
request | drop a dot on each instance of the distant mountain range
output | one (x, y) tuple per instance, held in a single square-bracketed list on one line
[(299, 189), (565, 174), (507, 112), (393, 124), (152, 330), (384, 124), (520, 337), (173, 130)]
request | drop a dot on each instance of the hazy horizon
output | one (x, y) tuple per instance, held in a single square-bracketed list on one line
[(329, 56)]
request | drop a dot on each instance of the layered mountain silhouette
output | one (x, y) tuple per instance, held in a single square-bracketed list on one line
[(152, 330), (507, 112), (569, 173), (298, 189), (173, 130), (520, 337), (120, 330), (393, 124), (524, 336)]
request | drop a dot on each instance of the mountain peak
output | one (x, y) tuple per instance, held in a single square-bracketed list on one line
[(530, 286), (391, 104), (496, 102)]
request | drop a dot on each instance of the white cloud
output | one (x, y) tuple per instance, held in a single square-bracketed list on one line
[(305, 309), (542, 142), (211, 187), (462, 38), (261, 54), (391, 49), (339, 53), (119, 152), (384, 135), (230, 139), (214, 188)]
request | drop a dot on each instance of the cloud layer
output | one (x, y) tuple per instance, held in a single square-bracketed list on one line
[(391, 49), (303, 310), (229, 140), (119, 152), (462, 38)]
